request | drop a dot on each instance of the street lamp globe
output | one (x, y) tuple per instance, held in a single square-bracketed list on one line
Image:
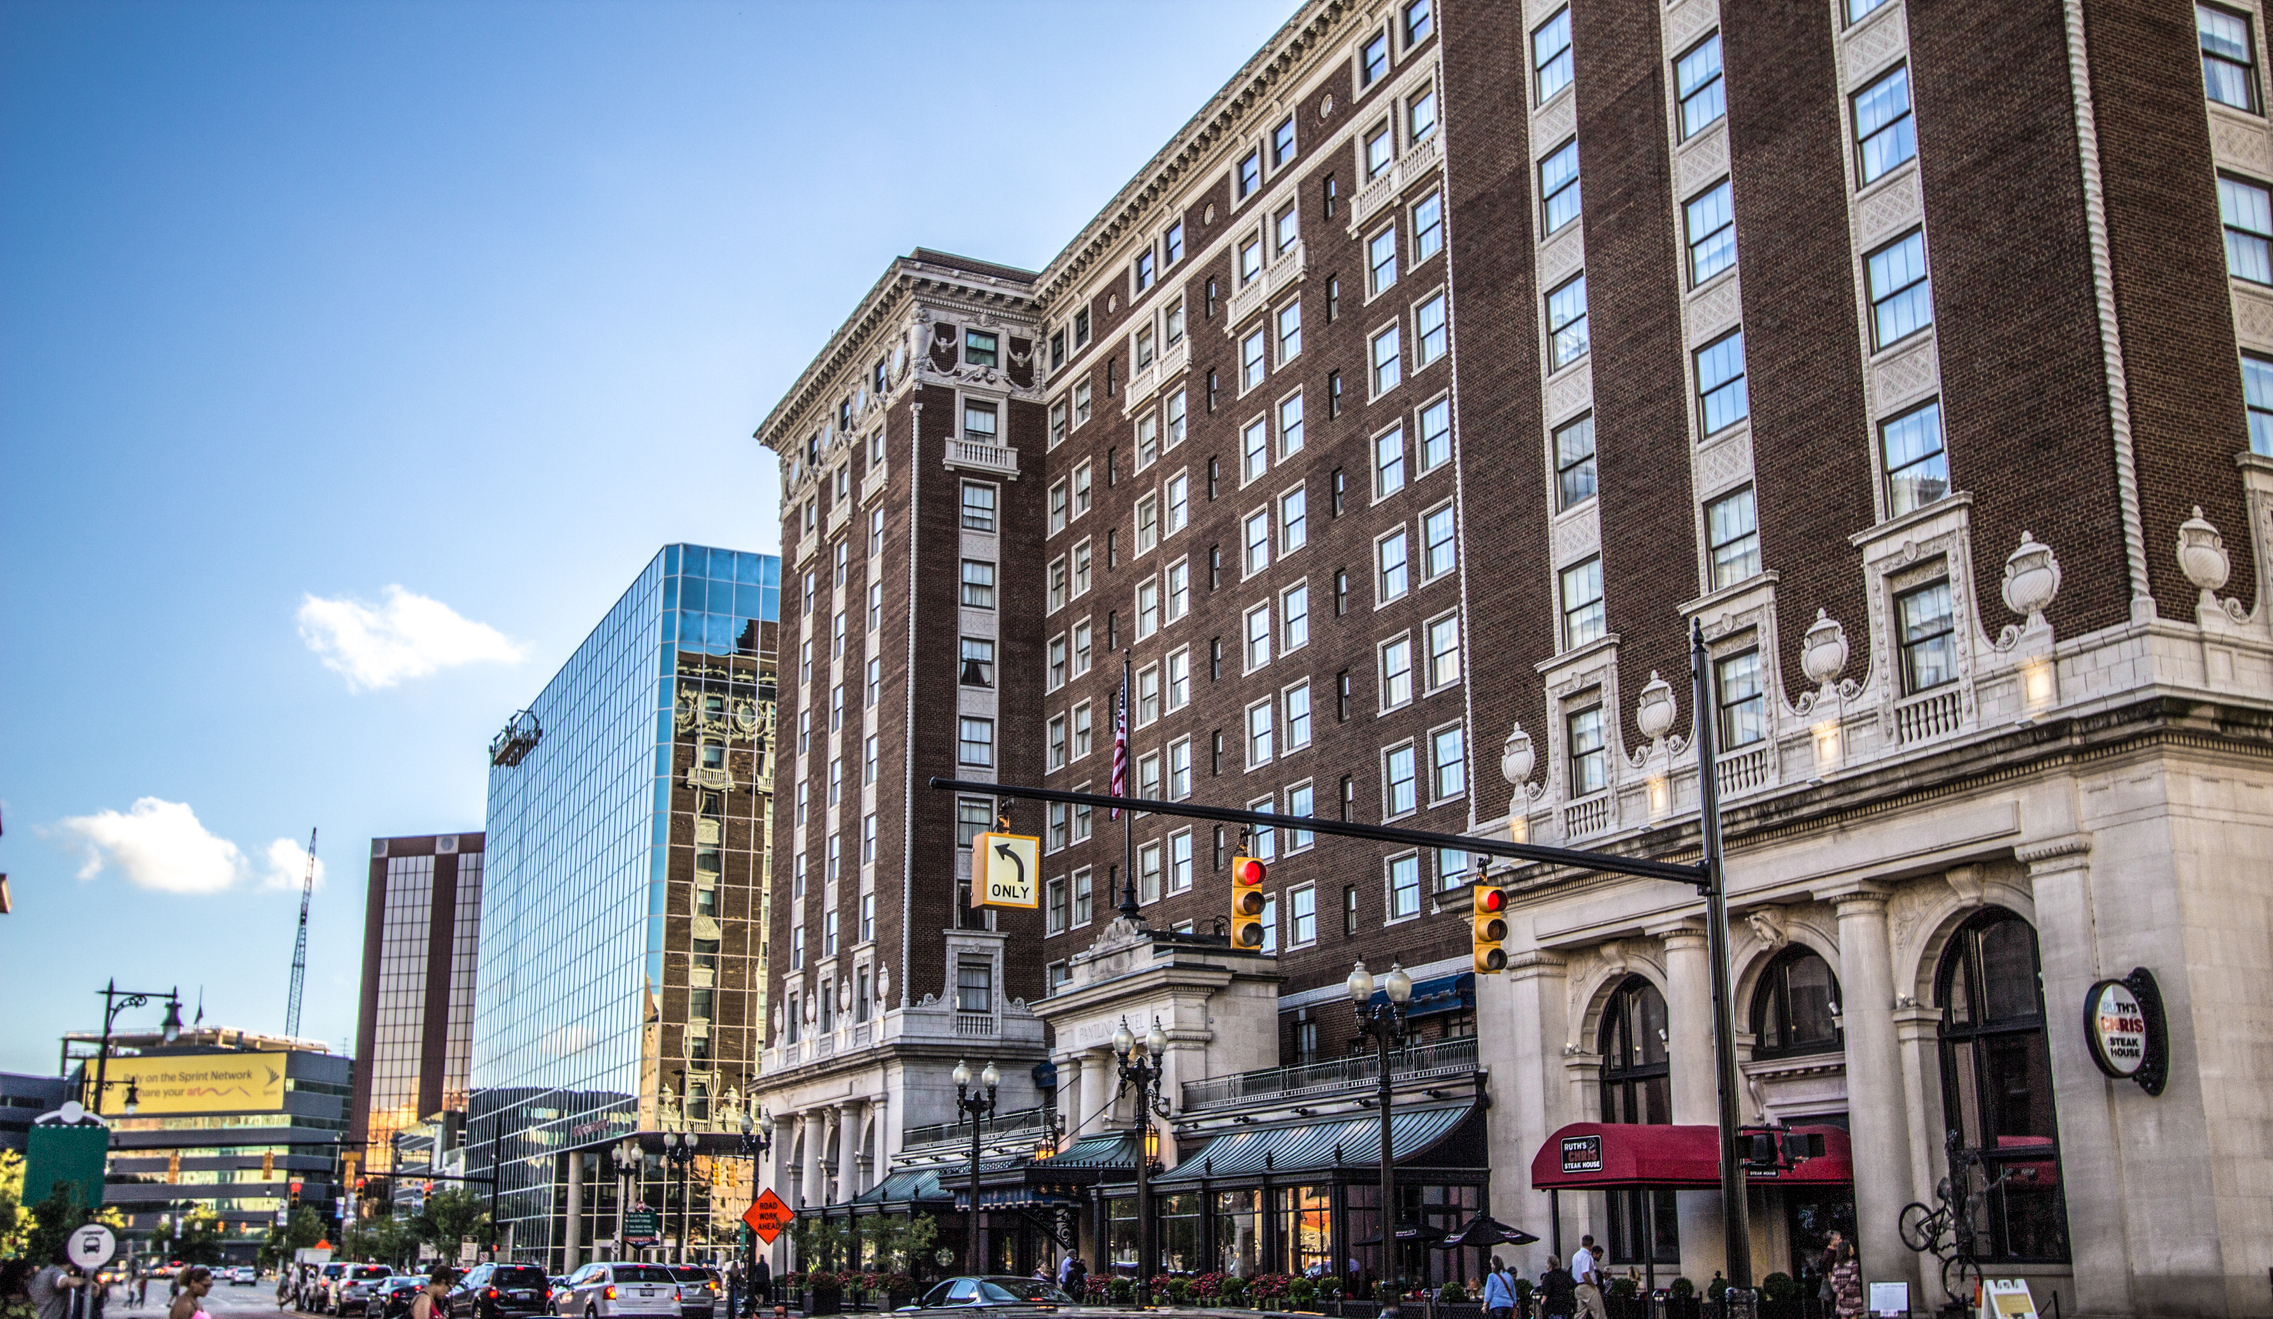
[(1360, 984), (1122, 1040), (171, 1027), (765, 1122), (747, 1124), (1156, 1040), (990, 1078), (1399, 986), (962, 1074)]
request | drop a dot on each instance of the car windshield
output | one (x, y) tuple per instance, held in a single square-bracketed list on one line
[(642, 1273), (517, 1277), (1022, 1289)]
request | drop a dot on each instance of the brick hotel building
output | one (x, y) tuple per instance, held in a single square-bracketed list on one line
[(1395, 423)]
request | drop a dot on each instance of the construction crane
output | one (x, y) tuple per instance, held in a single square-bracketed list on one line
[(300, 944)]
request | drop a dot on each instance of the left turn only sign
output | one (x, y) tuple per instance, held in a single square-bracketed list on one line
[(1006, 871)]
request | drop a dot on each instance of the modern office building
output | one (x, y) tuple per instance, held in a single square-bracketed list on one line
[(224, 1121), (620, 979), (1397, 423), (414, 1027), (23, 1098)]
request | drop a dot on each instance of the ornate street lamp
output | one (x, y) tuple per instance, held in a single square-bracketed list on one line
[(977, 1106), (115, 1001), (679, 1149), (757, 1138), (1141, 1063), (1385, 1022)]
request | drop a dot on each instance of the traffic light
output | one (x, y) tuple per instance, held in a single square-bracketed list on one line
[(174, 1166), (1489, 925), (1247, 876), (268, 1165)]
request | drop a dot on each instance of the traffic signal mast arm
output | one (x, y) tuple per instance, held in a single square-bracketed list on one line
[(1671, 871)]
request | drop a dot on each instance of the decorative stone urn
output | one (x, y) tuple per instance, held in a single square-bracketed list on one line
[(1654, 708), (1517, 756), (2202, 557), (1823, 650), (2032, 578)]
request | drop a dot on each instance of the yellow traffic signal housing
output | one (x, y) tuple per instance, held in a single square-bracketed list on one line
[(1247, 875), (1489, 925), (268, 1165), (174, 1166)]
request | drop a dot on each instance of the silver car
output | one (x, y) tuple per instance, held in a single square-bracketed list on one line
[(618, 1291), (352, 1293)]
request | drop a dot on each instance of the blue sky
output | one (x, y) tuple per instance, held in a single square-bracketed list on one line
[(355, 356)]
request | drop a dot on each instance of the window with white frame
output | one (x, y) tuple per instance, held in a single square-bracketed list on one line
[(1294, 618), (1301, 802), (1583, 616), (1901, 299), (1057, 742), (1258, 637), (1290, 332), (1081, 730), (1589, 751), (1392, 571), (1438, 553), (1081, 906), (1282, 142), (1428, 227), (1081, 488), (1179, 594), (1057, 423), (974, 742), (1294, 520), (1388, 361), (1148, 873), (1262, 840), (1176, 409), (1258, 541), (1081, 648), (1436, 435), (1917, 466), (1148, 776), (1722, 400), (1081, 569), (2245, 210), (1551, 55), (1697, 80), (1178, 494), (1250, 261), (1566, 322), (1443, 651), (1254, 450), (1290, 425), (1146, 270), (1148, 607), (2257, 394), (978, 584), (1148, 439), (1259, 732), (979, 422), (1302, 915), (1710, 218), (978, 506), (1928, 637), (1057, 906), (978, 662), (1057, 663), (1420, 117), (1448, 764), (1373, 59), (1147, 694), (1744, 701), (1404, 874), (1396, 672), (1574, 461), (1732, 536), (1297, 701), (1380, 151), (1381, 260), (1180, 768), (1429, 341), (1559, 187), (1285, 230), (1180, 861), (1885, 135), (1389, 462), (2229, 57), (1179, 669)]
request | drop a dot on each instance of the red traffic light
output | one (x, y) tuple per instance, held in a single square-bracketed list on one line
[(1491, 899), (1247, 871)]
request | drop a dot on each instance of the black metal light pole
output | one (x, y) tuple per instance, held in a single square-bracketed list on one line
[(1736, 1218), (679, 1149), (976, 1106), (1142, 1062), (757, 1138), (1385, 1022), (115, 1001)]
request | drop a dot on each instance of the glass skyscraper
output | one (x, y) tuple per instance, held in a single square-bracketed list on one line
[(621, 980)]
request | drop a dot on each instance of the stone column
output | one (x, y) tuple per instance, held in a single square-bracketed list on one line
[(848, 1150), (880, 1116), (1070, 1095), (1878, 1118), (1696, 1097), (1098, 1078), (574, 1234), (812, 1128), (1533, 997)]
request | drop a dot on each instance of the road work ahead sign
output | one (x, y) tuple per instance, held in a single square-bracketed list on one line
[(1006, 871)]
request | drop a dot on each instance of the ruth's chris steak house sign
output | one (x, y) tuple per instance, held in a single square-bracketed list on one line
[(2123, 1022)]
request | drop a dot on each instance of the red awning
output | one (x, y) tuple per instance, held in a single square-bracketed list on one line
[(1606, 1155)]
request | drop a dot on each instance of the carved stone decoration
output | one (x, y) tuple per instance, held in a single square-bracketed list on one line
[(844, 996), (2032, 578), (1823, 650), (1768, 926), (1326, 106), (2202, 557), (777, 1019), (809, 1007), (1208, 216), (883, 983), (1654, 708), (1614, 960)]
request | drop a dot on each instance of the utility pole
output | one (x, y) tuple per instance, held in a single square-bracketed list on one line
[(300, 944)]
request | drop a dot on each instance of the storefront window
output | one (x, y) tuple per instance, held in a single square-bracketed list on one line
[(1361, 1209), (1997, 1088), (1636, 1087), (1306, 1228), (1180, 1240), (1239, 1232), (1445, 1208), (1121, 1228), (1794, 1010)]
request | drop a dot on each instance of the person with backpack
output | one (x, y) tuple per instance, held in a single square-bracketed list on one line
[(1499, 1292)]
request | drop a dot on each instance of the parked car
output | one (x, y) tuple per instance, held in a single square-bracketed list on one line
[(616, 1291), (351, 1294), (998, 1293), (392, 1300), (699, 1290), (244, 1275), (495, 1291), (317, 1296)]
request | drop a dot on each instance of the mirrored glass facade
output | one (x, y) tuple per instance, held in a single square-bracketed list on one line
[(620, 976)]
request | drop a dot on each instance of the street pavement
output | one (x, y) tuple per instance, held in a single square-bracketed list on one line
[(223, 1300)]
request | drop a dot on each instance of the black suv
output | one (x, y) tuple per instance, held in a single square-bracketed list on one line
[(494, 1291)]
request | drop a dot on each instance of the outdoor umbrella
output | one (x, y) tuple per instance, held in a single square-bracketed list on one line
[(1408, 1233), (1485, 1230)]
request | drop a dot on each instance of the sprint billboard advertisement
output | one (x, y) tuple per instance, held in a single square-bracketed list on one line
[(197, 1083)]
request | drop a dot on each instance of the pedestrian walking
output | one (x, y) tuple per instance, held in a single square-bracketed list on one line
[(1558, 1293), (1846, 1282), (1586, 1279), (1499, 1292), (761, 1284), (53, 1287), (435, 1296), (189, 1300)]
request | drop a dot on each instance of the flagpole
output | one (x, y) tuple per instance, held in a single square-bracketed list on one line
[(1128, 818)]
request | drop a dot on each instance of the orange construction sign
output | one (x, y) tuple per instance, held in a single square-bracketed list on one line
[(768, 1215)]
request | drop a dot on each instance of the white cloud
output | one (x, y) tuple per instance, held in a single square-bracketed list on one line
[(158, 844), (409, 636)]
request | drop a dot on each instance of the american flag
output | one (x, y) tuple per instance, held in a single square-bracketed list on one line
[(1121, 749)]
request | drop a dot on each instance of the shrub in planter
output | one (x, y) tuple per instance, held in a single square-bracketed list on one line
[(1522, 1287), (1232, 1290), (1779, 1287), (1093, 1287), (1301, 1291), (1716, 1289), (1121, 1290), (1684, 1288), (1623, 1287), (1205, 1287), (1453, 1293)]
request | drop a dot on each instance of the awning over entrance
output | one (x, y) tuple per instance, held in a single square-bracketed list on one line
[(1609, 1155), (903, 1189), (1316, 1146)]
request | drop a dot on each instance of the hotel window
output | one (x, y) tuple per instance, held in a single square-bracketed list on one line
[(1081, 895), (867, 930), (1380, 151), (1444, 651), (2257, 389), (978, 662), (1147, 694), (1885, 136), (980, 348), (876, 529), (1551, 54), (1057, 742), (1333, 378), (1147, 523), (1928, 637), (1917, 466), (1583, 619), (1711, 218), (2247, 213), (1148, 777), (1420, 118), (978, 584), (979, 423), (1057, 906), (1148, 607), (1721, 397), (1901, 300), (1179, 597), (1349, 897), (1566, 321), (1301, 803), (1144, 271), (1081, 489), (1258, 734), (1290, 332), (1061, 825), (1250, 172), (1381, 260), (1251, 361), (1286, 230), (1392, 575), (1057, 662), (1081, 822), (1176, 400), (2229, 57), (1302, 915), (1057, 584), (1856, 9), (1420, 20), (1298, 716), (1144, 348), (1388, 365), (1290, 425), (1436, 435), (1574, 460), (1255, 450), (1428, 227), (1697, 75), (796, 963), (1081, 398), (1558, 184), (1452, 868), (1396, 672), (1732, 532), (1294, 520), (1179, 679), (974, 743), (1428, 332), (1405, 882), (1373, 59), (1258, 527), (1081, 569), (1744, 702), (1389, 462), (973, 816), (1294, 619), (1081, 730), (1282, 142), (1180, 768), (1438, 552), (875, 605), (1262, 840), (1448, 765), (1173, 241), (1180, 861), (1590, 755), (978, 506), (1081, 648), (974, 985), (1258, 637)]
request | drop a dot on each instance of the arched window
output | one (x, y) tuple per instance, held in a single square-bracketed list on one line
[(1796, 1008), (1997, 1087), (1645, 1226)]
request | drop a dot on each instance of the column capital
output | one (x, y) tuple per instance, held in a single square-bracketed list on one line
[(1856, 895), (2052, 855), (1685, 935), (1536, 964)]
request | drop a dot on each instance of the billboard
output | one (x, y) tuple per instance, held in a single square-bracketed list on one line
[(198, 1083)]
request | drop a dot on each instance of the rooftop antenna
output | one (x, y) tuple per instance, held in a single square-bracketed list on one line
[(300, 944)]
